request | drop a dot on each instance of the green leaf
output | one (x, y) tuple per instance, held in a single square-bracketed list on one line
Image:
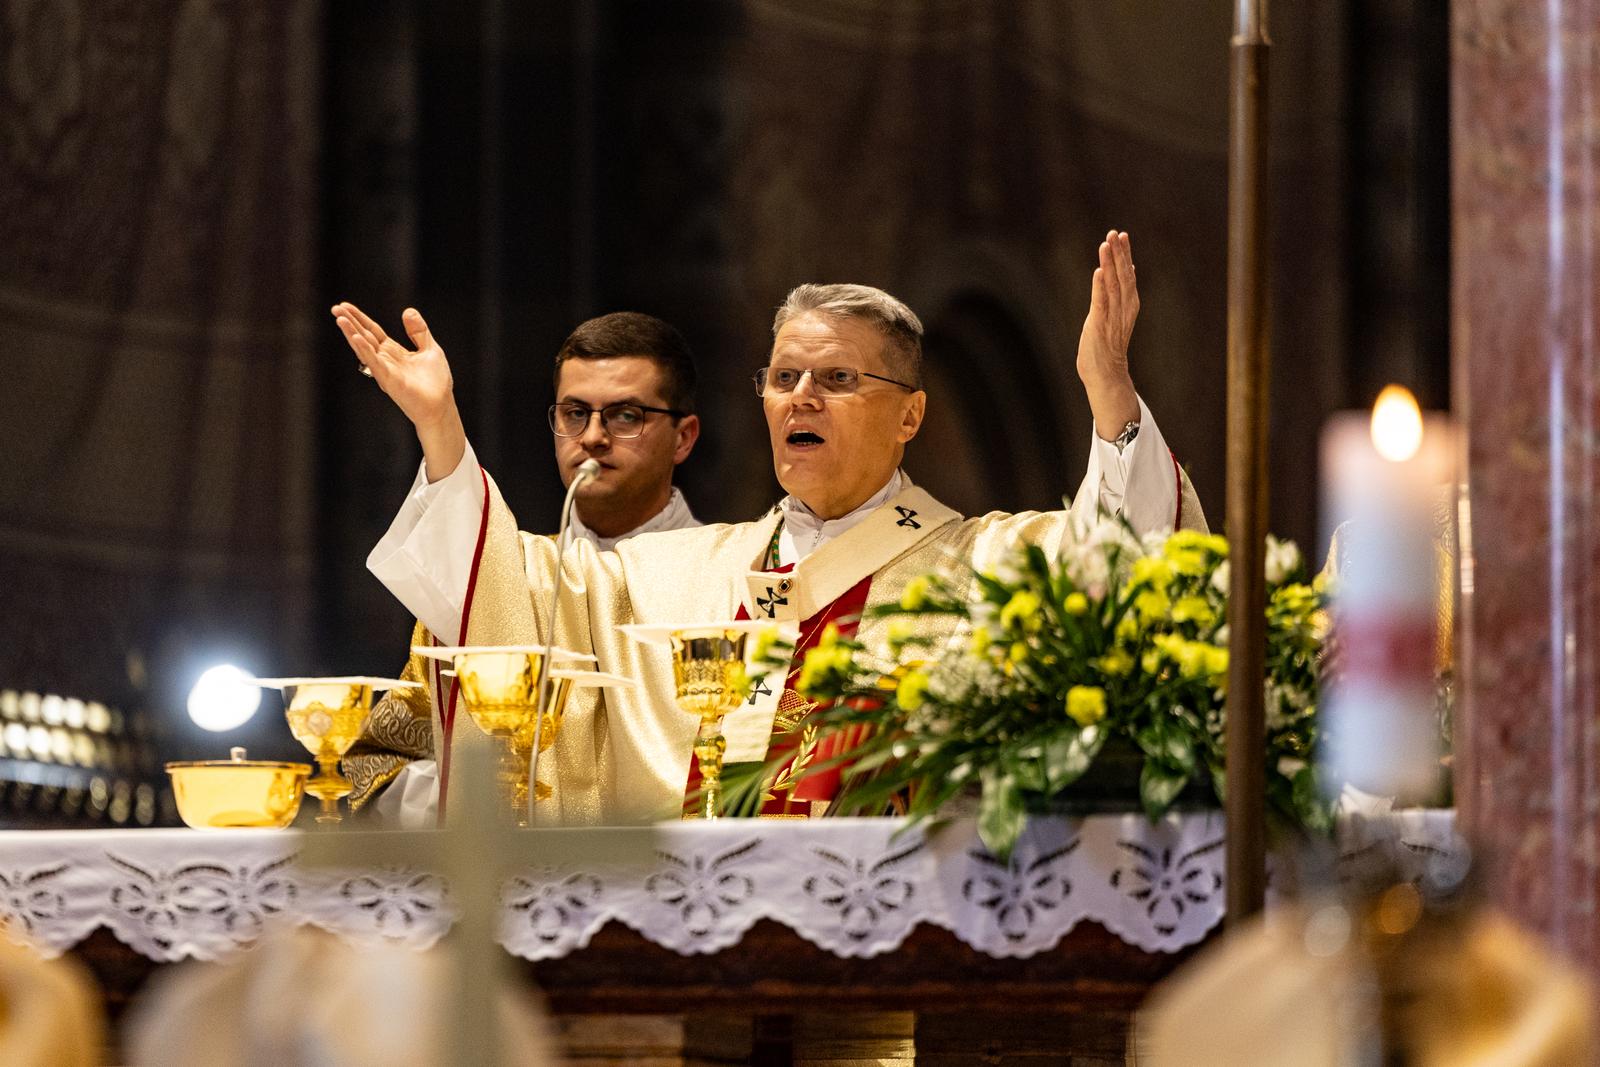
[(1001, 815), (1067, 757), (1179, 750), (1159, 786), (1151, 738), (1028, 768), (1314, 811)]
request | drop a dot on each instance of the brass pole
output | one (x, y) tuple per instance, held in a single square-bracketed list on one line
[(1248, 366)]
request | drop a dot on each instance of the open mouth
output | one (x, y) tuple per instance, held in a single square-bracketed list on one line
[(804, 439)]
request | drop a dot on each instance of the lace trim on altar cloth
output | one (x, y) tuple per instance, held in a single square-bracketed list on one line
[(854, 887)]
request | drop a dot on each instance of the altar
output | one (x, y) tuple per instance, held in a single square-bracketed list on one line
[(753, 925)]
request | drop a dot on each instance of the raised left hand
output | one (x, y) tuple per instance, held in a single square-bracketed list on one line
[(1103, 345)]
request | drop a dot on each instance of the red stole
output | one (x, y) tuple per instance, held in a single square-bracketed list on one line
[(845, 614)]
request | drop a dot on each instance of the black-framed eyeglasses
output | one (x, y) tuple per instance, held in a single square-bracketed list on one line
[(620, 420), (827, 381)]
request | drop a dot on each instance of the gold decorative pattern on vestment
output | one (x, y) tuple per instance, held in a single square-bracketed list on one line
[(399, 731)]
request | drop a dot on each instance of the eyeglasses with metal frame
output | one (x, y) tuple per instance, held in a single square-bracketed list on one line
[(622, 421), (827, 381)]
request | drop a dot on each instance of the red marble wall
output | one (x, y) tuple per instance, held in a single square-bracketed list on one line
[(1526, 177)]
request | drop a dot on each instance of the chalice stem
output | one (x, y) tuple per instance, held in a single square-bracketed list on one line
[(709, 746), (511, 776), (328, 787)]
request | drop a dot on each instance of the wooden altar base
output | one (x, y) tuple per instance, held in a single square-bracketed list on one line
[(776, 999)]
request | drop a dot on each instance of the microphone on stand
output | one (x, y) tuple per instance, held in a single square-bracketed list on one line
[(588, 470)]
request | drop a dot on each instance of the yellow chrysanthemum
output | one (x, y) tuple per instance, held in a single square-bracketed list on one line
[(1193, 609), (980, 640), (1152, 604), (1086, 704), (1184, 540), (1189, 562), (915, 594), (1076, 604), (1296, 598), (826, 658), (1116, 663), (901, 630), (1191, 659), (912, 691), (1019, 651), (1022, 609), (1152, 571)]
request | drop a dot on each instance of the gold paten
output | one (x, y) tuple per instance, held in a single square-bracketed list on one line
[(236, 792)]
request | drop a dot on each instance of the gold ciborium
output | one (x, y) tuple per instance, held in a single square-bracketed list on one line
[(499, 688), (236, 792), (708, 676), (327, 715)]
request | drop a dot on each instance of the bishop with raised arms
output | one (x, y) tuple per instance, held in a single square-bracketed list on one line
[(842, 393)]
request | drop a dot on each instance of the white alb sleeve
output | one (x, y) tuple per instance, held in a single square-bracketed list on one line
[(1140, 483), (425, 558)]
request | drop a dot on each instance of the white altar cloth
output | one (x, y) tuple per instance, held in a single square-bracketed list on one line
[(854, 887)]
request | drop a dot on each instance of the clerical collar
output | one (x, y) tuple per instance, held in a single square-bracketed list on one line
[(804, 532), (675, 516)]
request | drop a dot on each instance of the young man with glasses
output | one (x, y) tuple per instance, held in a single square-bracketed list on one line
[(625, 397), (842, 397)]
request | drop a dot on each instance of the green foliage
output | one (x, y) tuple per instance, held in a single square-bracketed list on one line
[(1014, 680)]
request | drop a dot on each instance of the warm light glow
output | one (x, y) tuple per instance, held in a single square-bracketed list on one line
[(224, 698), (1396, 424)]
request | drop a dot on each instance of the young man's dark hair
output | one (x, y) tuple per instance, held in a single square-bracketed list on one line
[(632, 333)]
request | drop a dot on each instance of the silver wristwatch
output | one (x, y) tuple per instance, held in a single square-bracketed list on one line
[(1125, 438)]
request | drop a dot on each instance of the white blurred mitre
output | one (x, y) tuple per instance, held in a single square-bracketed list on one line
[(306, 998), (49, 1011)]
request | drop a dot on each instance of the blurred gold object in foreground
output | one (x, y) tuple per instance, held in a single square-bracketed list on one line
[(236, 792)]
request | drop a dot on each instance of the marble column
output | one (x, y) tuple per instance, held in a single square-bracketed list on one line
[(1525, 133)]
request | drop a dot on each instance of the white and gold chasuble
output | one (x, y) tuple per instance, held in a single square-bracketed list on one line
[(621, 756)]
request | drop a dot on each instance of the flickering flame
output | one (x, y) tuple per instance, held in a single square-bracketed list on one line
[(1396, 424)]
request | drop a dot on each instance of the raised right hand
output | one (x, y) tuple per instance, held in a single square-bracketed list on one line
[(419, 381)]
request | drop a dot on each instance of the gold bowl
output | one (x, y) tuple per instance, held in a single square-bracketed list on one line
[(232, 793)]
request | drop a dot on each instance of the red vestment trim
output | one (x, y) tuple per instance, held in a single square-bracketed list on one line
[(1177, 473), (448, 718)]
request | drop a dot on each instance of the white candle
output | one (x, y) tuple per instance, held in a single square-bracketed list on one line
[(1386, 479)]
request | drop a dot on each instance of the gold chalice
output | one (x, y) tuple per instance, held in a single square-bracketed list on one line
[(327, 715), (562, 682), (708, 676), (499, 687)]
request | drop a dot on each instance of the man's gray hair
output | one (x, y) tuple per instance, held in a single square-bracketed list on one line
[(899, 324)]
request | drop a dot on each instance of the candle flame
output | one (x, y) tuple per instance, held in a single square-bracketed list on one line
[(1396, 424)]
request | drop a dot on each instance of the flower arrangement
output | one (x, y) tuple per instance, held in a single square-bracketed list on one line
[(1018, 679)]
